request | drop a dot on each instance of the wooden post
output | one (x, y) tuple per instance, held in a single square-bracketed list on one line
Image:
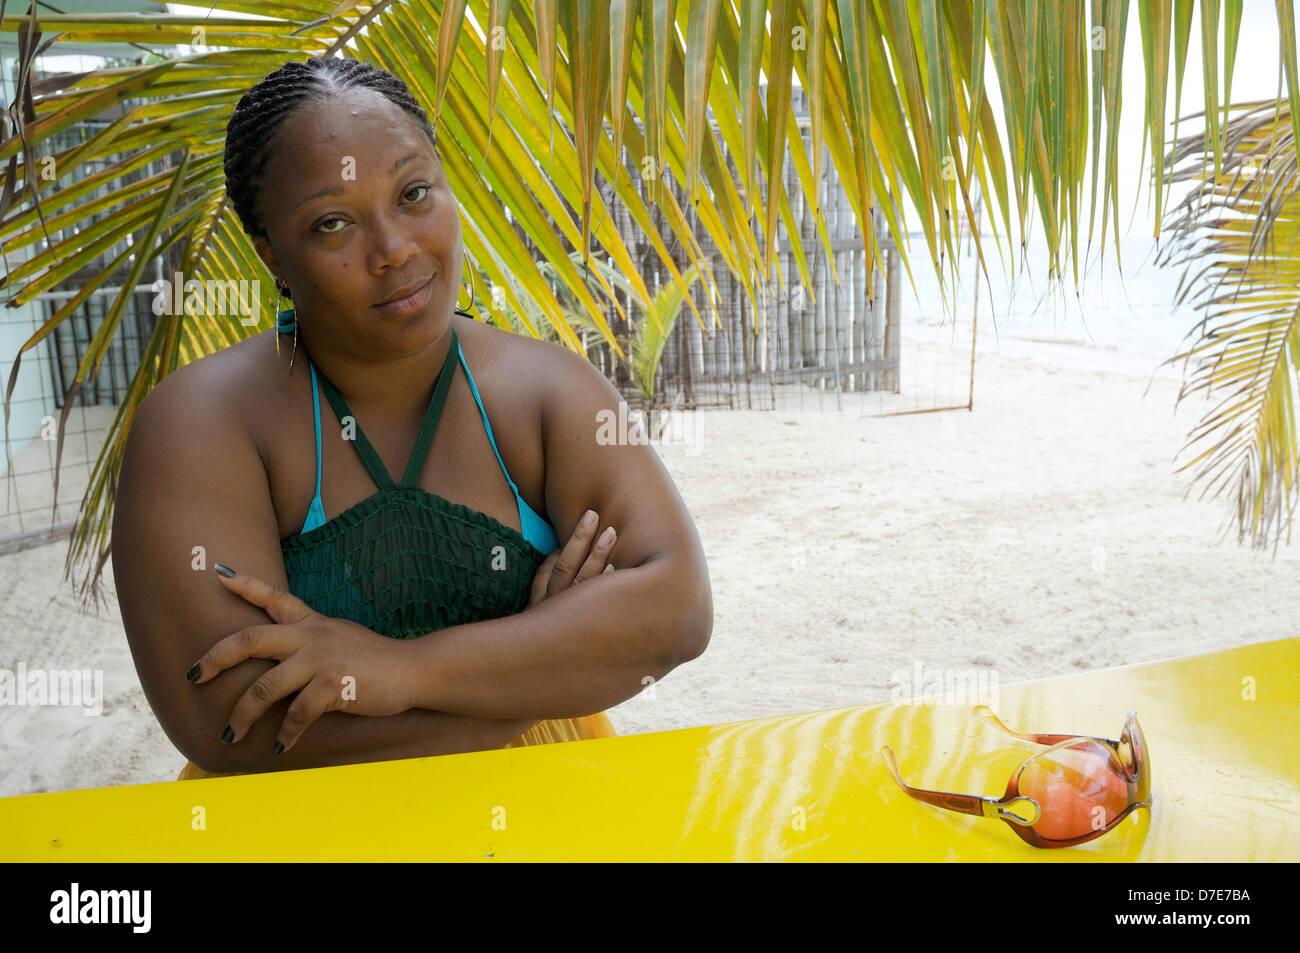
[(893, 329)]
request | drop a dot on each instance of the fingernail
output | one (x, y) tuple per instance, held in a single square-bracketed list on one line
[(589, 517), (228, 735), (193, 674), (609, 567), (223, 570), (278, 748), (607, 537)]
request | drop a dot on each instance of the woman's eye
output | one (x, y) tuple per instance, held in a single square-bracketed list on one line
[(325, 231), (420, 185)]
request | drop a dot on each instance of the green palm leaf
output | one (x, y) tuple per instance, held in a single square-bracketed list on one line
[(1238, 233), (660, 317)]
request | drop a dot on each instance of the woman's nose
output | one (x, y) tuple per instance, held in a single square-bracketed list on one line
[(394, 244)]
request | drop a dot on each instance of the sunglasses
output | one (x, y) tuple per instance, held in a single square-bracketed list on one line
[(1075, 791)]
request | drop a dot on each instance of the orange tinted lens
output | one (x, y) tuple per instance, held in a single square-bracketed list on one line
[(1079, 789)]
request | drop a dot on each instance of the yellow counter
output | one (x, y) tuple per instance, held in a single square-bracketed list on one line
[(1221, 730)]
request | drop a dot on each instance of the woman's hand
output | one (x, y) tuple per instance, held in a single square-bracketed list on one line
[(556, 573), (333, 664)]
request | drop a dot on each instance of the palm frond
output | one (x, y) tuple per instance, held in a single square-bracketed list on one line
[(1237, 234)]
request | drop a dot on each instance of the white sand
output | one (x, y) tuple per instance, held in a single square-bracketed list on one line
[(1043, 534)]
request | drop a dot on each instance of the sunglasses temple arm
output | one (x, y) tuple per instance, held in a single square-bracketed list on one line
[(963, 803), (985, 713)]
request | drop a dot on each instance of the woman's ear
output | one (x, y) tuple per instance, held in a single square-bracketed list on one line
[(264, 251)]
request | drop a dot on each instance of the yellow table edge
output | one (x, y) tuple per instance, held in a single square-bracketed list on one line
[(806, 786)]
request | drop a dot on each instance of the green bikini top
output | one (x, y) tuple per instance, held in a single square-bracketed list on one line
[(405, 562)]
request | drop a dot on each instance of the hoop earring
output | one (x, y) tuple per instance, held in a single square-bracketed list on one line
[(283, 286), (472, 291)]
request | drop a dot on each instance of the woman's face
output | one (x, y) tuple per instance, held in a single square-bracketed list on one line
[(357, 210)]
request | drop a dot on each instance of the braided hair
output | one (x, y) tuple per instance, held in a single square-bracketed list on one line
[(263, 109)]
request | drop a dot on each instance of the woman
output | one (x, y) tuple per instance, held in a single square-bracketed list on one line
[(344, 570)]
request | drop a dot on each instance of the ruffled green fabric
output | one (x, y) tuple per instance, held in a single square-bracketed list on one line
[(406, 562)]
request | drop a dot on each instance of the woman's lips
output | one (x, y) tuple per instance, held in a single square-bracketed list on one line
[(410, 304)]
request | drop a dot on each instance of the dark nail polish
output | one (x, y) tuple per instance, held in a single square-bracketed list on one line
[(193, 674), (228, 735), (223, 570), (278, 748)]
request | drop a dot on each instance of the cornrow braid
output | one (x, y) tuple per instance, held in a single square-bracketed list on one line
[(263, 109)]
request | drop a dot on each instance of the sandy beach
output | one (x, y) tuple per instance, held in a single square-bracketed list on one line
[(1042, 534)]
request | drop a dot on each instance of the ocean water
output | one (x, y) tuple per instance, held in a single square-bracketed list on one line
[(1113, 319)]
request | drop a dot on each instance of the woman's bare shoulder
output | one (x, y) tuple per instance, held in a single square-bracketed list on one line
[(524, 367), (234, 366), (516, 376), (227, 385)]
